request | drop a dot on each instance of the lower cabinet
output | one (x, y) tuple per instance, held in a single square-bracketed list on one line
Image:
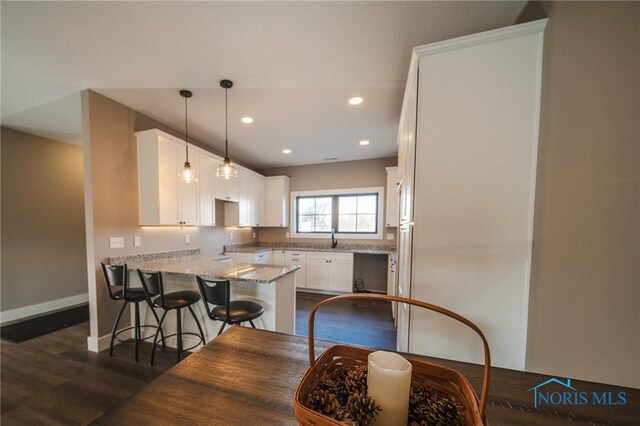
[(330, 271), (298, 258), (278, 257)]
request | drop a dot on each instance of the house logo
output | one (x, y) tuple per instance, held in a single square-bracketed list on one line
[(556, 392)]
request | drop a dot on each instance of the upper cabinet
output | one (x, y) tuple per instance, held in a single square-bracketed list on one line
[(277, 201), (164, 199), (392, 197), (250, 199), (206, 188)]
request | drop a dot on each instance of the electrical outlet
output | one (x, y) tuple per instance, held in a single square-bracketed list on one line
[(187, 238), (286, 235), (254, 235), (231, 235), (116, 242), (389, 236), (137, 241)]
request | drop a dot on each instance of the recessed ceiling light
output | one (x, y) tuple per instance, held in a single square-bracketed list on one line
[(356, 101), (286, 151), (364, 143), (247, 120)]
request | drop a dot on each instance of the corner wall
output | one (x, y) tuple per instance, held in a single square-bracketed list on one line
[(43, 238), (584, 314)]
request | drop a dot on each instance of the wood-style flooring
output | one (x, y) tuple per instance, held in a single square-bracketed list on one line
[(54, 380), (362, 322)]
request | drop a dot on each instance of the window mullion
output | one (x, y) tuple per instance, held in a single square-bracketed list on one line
[(335, 211)]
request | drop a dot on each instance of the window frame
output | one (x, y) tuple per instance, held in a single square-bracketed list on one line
[(293, 223)]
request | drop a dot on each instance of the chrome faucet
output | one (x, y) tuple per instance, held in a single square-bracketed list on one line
[(334, 242)]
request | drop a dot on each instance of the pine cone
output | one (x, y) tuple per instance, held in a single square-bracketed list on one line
[(362, 409), (419, 394), (324, 402), (435, 410), (338, 374), (356, 380)]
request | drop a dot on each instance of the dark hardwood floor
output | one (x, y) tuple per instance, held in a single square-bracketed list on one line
[(362, 322), (54, 380)]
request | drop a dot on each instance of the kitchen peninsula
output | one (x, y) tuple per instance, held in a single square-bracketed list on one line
[(273, 286)]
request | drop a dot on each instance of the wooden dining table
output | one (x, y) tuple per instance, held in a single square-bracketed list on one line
[(249, 377)]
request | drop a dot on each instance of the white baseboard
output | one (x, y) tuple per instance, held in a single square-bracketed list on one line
[(99, 344), (42, 308)]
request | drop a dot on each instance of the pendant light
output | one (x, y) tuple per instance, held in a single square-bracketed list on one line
[(187, 175), (226, 170)]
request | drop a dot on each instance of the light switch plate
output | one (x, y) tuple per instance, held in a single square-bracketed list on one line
[(137, 241), (389, 236), (187, 238), (116, 242), (254, 235), (231, 235), (286, 235)]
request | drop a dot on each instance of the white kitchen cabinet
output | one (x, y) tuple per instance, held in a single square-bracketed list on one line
[(469, 125), (391, 217), (277, 201), (278, 257), (330, 271), (298, 258), (206, 188), (225, 189), (256, 199), (317, 272), (163, 198)]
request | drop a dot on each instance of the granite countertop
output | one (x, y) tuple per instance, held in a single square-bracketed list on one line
[(212, 269), (341, 248)]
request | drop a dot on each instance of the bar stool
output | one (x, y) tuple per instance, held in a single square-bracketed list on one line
[(117, 280), (177, 300), (218, 293)]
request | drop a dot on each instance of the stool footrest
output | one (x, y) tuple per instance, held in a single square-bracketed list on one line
[(132, 328), (200, 340)]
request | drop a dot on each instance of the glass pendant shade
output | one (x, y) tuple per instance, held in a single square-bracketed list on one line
[(188, 174), (227, 170)]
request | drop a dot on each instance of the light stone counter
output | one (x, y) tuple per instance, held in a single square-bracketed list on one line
[(359, 248), (207, 268)]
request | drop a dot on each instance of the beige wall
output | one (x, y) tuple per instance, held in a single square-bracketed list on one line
[(347, 174), (43, 238), (584, 318), (113, 184)]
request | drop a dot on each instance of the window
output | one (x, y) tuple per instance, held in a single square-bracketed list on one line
[(357, 213), (314, 214), (353, 213)]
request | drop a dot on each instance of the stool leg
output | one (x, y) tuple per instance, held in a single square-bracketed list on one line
[(179, 331), (224, 323), (252, 324), (197, 323), (137, 328), (115, 327), (153, 311), (155, 337)]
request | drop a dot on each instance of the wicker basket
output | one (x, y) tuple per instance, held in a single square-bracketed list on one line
[(443, 379)]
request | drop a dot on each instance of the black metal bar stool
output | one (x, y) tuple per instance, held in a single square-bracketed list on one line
[(154, 291), (218, 293), (117, 280)]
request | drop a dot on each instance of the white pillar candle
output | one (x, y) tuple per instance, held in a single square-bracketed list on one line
[(389, 383)]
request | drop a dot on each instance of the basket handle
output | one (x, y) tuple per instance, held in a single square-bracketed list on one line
[(438, 309)]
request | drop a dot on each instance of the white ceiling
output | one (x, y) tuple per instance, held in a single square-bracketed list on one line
[(294, 66)]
